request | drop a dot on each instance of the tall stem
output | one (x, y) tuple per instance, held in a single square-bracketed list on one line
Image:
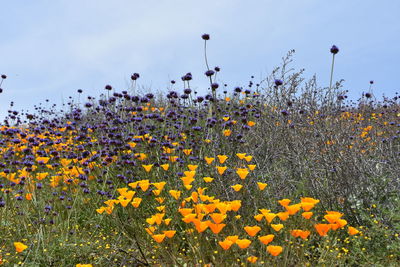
[(333, 64)]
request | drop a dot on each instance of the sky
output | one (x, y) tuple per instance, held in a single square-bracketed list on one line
[(49, 49)]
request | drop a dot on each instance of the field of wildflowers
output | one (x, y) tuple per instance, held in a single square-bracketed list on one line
[(280, 172)]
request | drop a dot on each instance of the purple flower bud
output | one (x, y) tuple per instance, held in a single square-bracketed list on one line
[(205, 37), (278, 82), (209, 73), (334, 49), (135, 76)]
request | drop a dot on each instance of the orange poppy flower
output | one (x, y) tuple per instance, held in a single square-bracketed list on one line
[(221, 169), (352, 231), (175, 194), (218, 217), (19, 247), (252, 259), (277, 227), (192, 167), (270, 216), (208, 179), (237, 187), (187, 180), (241, 155), (147, 168), (169, 233), (293, 209), (232, 238), (322, 228), (258, 217), (209, 160), (251, 123), (274, 250), (136, 202), (243, 243), (266, 239), (235, 205), (227, 132), (252, 230), (216, 227), (222, 158), (261, 186), (242, 172), (284, 202), (160, 185), (159, 238), (201, 226), (165, 167), (187, 151), (248, 158), (283, 215), (307, 215), (226, 244)]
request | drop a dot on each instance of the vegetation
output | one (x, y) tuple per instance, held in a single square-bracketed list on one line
[(279, 173)]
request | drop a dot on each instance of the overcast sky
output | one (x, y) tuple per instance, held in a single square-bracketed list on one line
[(49, 49)]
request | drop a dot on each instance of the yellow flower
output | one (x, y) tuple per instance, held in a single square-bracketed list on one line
[(208, 179), (277, 227), (248, 158), (237, 187), (192, 167), (252, 259), (83, 265), (147, 168), (19, 247), (175, 194), (221, 169), (227, 132), (136, 202), (222, 158), (284, 202), (251, 167), (187, 180), (165, 167), (242, 172), (209, 160), (258, 217), (187, 151), (261, 186), (241, 155), (160, 185)]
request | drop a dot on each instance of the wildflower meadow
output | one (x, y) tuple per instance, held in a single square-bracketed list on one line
[(280, 172)]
